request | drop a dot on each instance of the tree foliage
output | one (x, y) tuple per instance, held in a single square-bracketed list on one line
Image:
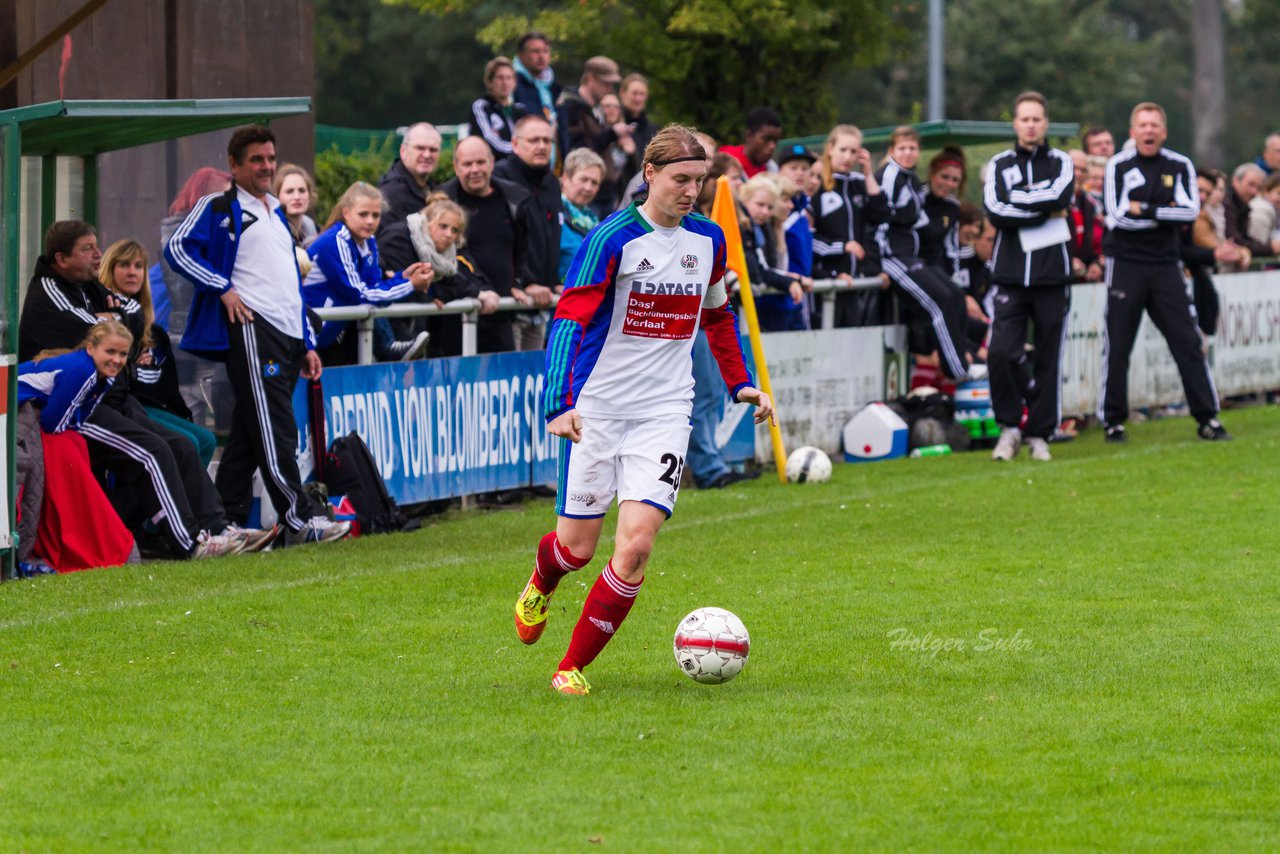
[(382, 66), (1093, 59), (383, 63), (709, 61)]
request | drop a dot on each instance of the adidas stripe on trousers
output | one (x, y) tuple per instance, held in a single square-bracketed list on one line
[(156, 470), (1134, 287), (263, 365)]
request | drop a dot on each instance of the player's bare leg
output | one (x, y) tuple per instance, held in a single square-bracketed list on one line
[(612, 595), (568, 548)]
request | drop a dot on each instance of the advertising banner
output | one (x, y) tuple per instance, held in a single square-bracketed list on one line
[(441, 428), (1244, 356), (820, 379)]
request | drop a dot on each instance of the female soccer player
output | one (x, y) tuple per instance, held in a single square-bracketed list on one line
[(619, 389)]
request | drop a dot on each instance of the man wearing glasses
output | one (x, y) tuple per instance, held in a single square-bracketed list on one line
[(537, 201)]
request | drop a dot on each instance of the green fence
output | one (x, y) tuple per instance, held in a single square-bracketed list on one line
[(353, 140)]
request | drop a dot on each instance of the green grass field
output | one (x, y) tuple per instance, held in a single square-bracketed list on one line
[(947, 654)]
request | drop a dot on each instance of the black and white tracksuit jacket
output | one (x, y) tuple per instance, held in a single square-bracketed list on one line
[(1165, 188), (838, 218), (1023, 188)]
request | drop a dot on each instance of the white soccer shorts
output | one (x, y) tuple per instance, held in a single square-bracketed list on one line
[(638, 460)]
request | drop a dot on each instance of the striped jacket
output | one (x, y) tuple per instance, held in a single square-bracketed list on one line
[(57, 313), (203, 251), (66, 389), (495, 123), (838, 217), (345, 273), (1024, 188), (1146, 200)]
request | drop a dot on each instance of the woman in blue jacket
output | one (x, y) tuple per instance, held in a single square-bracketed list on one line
[(57, 392), (345, 269)]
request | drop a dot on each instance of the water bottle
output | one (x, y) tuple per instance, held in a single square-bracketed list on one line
[(930, 451)]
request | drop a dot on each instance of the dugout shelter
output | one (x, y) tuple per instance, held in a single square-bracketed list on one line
[(47, 139)]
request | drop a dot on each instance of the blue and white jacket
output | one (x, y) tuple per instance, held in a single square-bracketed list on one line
[(345, 273), (65, 388), (203, 250)]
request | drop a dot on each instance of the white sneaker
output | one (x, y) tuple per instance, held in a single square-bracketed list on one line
[(1008, 444), (318, 529), (1039, 449), (217, 545), (255, 540)]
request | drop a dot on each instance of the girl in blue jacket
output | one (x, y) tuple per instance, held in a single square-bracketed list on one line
[(345, 268), (57, 392)]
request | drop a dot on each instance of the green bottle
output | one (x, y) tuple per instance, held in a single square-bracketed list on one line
[(930, 451)]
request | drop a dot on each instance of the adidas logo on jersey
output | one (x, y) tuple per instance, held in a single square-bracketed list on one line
[(603, 625), (645, 266)]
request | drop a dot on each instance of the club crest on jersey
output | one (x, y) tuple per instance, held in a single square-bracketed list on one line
[(644, 266), (271, 368), (690, 263)]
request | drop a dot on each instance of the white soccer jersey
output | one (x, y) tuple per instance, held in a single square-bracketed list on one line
[(622, 338)]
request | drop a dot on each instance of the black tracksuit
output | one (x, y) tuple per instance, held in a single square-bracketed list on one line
[(838, 217), (58, 313), (1024, 189), (157, 384), (1201, 263), (898, 211), (156, 470), (495, 123), (1144, 273)]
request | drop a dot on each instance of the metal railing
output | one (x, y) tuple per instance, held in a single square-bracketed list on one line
[(469, 311)]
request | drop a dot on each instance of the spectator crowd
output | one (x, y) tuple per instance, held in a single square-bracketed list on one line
[(115, 443)]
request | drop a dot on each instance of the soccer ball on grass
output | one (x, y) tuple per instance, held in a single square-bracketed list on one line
[(711, 645), (808, 465)]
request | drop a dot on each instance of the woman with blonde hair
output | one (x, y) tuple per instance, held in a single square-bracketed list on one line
[(839, 224), (781, 293), (434, 236), (152, 372), (296, 191), (346, 269), (65, 521)]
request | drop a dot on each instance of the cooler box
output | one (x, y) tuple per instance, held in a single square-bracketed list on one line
[(875, 433)]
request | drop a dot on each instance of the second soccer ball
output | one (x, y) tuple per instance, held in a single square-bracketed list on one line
[(808, 465)]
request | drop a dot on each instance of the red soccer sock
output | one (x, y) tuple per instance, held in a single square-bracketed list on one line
[(553, 563), (606, 607)]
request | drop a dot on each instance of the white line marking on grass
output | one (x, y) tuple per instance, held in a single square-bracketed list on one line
[(221, 593), (801, 498)]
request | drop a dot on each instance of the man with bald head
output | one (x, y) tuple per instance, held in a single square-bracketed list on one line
[(491, 233), (407, 183)]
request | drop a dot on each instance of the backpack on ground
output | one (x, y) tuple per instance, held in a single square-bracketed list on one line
[(350, 470)]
